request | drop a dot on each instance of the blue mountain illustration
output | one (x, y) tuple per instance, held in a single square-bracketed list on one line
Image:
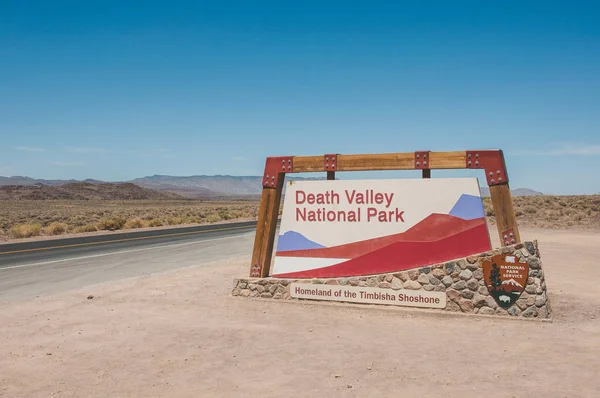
[(295, 241), (468, 207)]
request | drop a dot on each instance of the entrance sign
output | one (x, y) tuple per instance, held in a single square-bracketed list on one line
[(505, 277), (491, 161), (364, 227), (368, 295), (417, 243)]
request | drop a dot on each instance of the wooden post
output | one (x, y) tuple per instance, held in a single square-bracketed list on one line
[(266, 227), (426, 173), (506, 220), (331, 175)]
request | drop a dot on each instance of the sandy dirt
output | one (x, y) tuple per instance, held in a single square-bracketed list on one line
[(180, 334)]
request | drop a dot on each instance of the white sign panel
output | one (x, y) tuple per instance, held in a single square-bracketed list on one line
[(362, 227), (369, 295)]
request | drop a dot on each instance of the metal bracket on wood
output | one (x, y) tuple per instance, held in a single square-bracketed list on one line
[(275, 165), (493, 163), (330, 162), (422, 160), (256, 269), (508, 237)]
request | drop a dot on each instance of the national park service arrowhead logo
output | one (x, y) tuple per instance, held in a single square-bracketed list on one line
[(505, 277)]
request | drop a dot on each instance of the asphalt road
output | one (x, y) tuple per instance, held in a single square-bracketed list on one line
[(30, 273)]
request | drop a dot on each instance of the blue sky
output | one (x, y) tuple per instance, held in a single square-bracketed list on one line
[(115, 90)]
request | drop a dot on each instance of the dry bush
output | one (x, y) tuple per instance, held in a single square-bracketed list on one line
[(530, 210), (212, 218), (24, 231), (56, 228), (176, 220), (111, 224), (91, 227), (225, 216), (155, 222), (134, 223)]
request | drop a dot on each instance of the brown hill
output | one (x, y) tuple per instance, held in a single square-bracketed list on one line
[(83, 191)]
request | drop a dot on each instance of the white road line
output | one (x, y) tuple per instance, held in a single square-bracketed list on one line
[(120, 252)]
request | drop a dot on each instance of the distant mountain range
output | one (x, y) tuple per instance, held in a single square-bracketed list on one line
[(200, 186), (485, 192), (203, 186), (83, 191), (19, 180)]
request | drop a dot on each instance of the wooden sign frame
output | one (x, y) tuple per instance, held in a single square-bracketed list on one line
[(492, 161)]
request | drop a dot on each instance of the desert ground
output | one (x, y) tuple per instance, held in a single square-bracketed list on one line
[(181, 334), (21, 219)]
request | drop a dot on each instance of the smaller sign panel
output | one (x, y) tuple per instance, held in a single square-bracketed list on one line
[(369, 295), (505, 277), (341, 228)]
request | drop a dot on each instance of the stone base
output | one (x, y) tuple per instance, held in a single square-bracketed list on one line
[(462, 280)]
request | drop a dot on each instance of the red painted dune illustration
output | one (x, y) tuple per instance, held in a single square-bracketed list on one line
[(401, 256), (432, 228)]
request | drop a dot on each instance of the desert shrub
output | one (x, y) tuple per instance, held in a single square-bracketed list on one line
[(518, 212), (224, 214), (56, 228), (213, 217), (25, 231), (530, 209), (155, 222), (91, 227), (553, 215), (147, 217), (236, 213), (175, 220), (111, 224), (78, 220), (134, 223)]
